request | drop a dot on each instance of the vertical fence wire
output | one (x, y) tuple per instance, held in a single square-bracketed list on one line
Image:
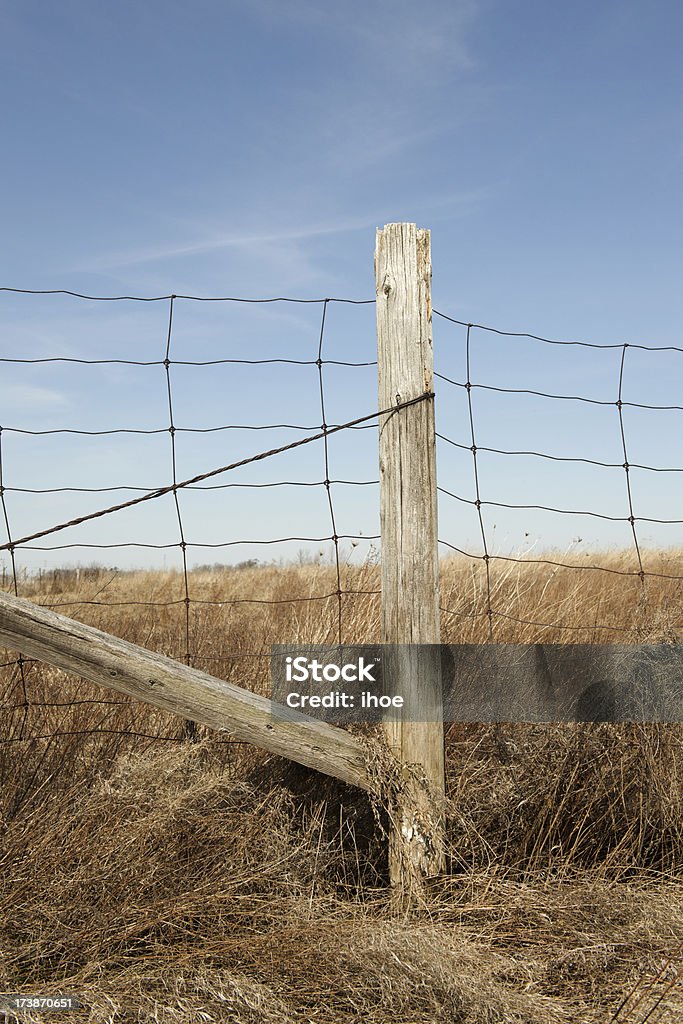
[(327, 482), (477, 503), (20, 661), (190, 727), (631, 517), (174, 470)]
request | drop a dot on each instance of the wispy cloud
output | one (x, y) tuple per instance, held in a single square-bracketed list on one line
[(231, 240), (289, 242), (400, 77), (399, 33)]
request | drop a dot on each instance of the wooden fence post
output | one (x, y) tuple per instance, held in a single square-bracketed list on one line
[(409, 556)]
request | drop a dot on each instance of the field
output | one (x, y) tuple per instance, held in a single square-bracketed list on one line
[(168, 880)]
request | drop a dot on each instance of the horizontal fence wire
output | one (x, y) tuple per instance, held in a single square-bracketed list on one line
[(18, 702)]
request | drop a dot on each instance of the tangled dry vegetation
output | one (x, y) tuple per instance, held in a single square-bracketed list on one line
[(163, 880)]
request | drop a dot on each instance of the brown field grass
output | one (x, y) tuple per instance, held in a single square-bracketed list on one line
[(163, 880)]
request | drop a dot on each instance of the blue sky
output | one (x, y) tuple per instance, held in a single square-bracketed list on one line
[(251, 149)]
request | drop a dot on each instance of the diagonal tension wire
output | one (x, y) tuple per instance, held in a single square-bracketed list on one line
[(326, 458), (160, 491)]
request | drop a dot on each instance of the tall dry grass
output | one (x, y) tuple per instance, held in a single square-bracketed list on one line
[(167, 880)]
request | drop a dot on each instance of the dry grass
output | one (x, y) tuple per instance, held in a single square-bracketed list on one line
[(171, 881)]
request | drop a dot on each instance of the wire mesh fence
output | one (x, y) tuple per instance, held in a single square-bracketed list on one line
[(611, 480), (133, 408), (193, 614)]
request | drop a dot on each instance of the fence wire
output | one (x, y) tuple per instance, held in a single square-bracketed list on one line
[(169, 366), (470, 386), (17, 699)]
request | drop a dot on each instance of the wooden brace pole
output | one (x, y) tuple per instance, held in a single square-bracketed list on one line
[(108, 661)]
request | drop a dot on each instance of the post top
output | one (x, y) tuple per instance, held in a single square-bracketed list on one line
[(399, 224)]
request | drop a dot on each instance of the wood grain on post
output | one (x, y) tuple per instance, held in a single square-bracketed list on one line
[(167, 684), (409, 564)]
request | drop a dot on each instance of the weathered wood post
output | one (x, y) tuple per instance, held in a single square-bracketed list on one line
[(409, 564)]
